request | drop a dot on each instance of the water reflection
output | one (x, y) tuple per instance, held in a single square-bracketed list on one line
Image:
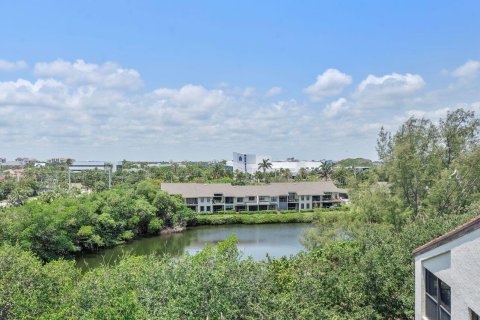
[(257, 241)]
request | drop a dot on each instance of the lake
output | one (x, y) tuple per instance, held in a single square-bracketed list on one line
[(256, 240)]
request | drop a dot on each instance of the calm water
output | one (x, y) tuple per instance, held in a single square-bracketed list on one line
[(257, 241)]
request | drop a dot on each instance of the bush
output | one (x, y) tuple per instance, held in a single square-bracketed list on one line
[(155, 225)]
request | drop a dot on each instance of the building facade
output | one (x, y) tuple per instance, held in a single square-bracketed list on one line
[(447, 275), (78, 166), (248, 163), (276, 196)]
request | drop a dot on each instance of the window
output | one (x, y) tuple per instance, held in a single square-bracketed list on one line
[(437, 298), (301, 198), (307, 197), (208, 208), (251, 198), (202, 208), (301, 206), (202, 199), (262, 198), (240, 199), (308, 205), (208, 199), (273, 199)]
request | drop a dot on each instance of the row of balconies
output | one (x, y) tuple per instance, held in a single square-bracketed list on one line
[(261, 199)]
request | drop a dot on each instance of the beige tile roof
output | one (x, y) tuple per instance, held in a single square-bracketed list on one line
[(194, 190)]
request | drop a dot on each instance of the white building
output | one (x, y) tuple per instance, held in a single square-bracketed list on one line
[(249, 163), (78, 166), (275, 196), (447, 275)]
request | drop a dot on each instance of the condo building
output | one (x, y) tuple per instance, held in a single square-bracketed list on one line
[(275, 196), (447, 275)]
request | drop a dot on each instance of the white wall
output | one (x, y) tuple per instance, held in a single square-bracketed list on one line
[(251, 161), (456, 263)]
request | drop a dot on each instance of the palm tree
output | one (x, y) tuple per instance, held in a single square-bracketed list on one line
[(218, 170), (286, 173), (265, 165), (302, 173), (325, 170)]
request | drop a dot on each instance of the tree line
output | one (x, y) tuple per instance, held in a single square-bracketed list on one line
[(358, 263), (58, 227)]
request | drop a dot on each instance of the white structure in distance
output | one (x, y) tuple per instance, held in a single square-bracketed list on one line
[(248, 163)]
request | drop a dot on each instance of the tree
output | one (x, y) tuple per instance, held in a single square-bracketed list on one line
[(18, 197), (326, 169), (264, 166), (384, 144), (302, 173), (286, 173), (218, 170), (415, 163), (459, 132)]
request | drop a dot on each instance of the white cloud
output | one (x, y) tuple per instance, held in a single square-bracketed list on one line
[(330, 83), (12, 65), (86, 108), (273, 91), (388, 89), (468, 70), (249, 91), (336, 108), (80, 73)]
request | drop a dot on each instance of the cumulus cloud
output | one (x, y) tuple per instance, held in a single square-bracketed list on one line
[(80, 73), (388, 89), (273, 91), (89, 108), (469, 69), (330, 83), (336, 108), (12, 65)]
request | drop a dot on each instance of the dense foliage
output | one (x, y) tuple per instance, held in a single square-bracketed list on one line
[(366, 278), (359, 262), (52, 228)]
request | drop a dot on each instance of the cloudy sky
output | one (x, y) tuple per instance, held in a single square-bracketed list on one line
[(145, 80)]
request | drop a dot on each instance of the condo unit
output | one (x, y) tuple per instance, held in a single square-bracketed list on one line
[(276, 196)]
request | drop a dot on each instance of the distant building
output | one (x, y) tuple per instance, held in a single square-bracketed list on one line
[(2, 160), (79, 166), (275, 196), (59, 160), (447, 275), (39, 164), (248, 163), (11, 164), (26, 160)]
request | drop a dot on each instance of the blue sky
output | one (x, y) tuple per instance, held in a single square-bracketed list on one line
[(152, 80)]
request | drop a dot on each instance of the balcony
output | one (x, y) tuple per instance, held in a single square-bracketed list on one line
[(292, 199), (191, 201)]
